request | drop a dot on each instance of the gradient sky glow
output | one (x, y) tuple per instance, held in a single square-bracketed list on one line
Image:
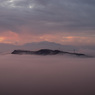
[(62, 21)]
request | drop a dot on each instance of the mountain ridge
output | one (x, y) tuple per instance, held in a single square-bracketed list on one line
[(90, 50), (36, 46), (47, 52)]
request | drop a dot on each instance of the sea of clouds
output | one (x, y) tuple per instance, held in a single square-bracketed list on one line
[(46, 75)]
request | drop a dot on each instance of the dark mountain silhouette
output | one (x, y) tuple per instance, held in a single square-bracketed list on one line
[(47, 52), (50, 45)]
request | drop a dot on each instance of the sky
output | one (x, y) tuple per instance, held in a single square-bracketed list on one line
[(68, 22)]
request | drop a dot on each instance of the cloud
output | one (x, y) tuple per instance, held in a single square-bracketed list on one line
[(42, 17)]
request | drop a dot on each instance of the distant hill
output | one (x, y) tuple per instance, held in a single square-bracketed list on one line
[(37, 46), (50, 45), (47, 52)]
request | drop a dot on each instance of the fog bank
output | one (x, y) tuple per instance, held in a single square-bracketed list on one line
[(46, 75)]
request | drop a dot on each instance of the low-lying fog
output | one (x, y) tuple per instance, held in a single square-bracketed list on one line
[(46, 75)]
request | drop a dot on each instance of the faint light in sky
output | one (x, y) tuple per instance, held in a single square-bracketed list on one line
[(31, 6), (11, 0)]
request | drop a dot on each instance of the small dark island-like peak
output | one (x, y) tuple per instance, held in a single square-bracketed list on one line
[(47, 52)]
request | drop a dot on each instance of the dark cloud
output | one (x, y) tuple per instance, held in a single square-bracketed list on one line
[(92, 2), (45, 16)]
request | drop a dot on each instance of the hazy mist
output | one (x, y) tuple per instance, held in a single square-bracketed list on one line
[(46, 75)]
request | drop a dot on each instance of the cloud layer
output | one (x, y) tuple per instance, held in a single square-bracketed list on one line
[(47, 17)]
